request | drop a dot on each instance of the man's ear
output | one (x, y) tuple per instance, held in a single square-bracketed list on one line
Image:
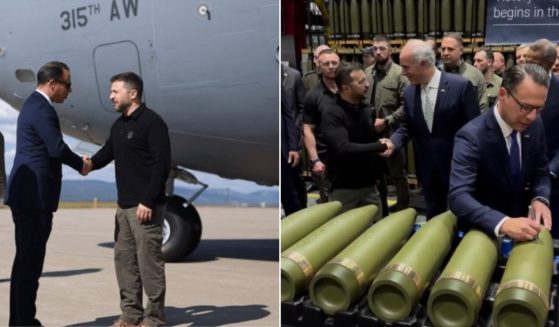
[(134, 94)]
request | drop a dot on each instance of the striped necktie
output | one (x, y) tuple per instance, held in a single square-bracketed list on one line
[(428, 109)]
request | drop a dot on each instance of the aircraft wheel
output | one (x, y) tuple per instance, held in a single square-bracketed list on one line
[(182, 229)]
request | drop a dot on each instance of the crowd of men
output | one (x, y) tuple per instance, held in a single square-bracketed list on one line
[(482, 134)]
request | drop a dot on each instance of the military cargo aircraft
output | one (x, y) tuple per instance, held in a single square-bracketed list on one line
[(210, 69)]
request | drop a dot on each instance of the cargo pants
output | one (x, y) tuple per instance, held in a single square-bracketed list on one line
[(139, 263)]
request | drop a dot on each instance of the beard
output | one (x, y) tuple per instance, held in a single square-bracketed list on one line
[(123, 106), (382, 61)]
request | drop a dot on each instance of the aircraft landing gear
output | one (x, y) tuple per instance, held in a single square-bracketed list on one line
[(182, 229)]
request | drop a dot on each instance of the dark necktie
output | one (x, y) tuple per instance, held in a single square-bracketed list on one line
[(514, 158)]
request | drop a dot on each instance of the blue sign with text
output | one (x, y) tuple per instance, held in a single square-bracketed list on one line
[(521, 21)]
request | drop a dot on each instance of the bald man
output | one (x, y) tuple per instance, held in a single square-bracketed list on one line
[(499, 65)]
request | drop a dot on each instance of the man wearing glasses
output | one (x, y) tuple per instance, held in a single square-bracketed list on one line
[(34, 186), (499, 165)]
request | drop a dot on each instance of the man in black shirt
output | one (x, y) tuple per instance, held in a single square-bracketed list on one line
[(314, 104), (353, 144), (139, 144)]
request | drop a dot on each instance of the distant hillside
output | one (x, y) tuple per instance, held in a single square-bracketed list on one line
[(75, 190)]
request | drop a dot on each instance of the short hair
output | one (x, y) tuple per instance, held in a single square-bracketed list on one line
[(132, 81), (544, 50), (516, 74), (422, 51), (51, 70), (455, 36), (381, 38), (326, 51), (488, 53), (343, 72)]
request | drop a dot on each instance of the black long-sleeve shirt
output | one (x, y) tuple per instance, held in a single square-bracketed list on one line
[(140, 147), (353, 145)]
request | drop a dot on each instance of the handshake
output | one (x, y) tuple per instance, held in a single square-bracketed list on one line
[(389, 147), (87, 165)]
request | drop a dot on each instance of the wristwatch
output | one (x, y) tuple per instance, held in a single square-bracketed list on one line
[(314, 161)]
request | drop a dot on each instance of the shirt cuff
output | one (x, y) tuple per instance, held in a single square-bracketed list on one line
[(541, 199), (498, 227)]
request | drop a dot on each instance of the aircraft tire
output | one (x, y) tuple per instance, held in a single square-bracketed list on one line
[(184, 228)]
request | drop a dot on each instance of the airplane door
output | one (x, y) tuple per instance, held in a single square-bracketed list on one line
[(110, 59)]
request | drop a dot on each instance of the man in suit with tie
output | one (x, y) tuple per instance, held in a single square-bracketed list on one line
[(290, 159), (294, 90), (295, 96), (34, 186), (499, 165), (436, 106)]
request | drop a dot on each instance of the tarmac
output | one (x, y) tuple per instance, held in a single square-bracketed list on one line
[(230, 279)]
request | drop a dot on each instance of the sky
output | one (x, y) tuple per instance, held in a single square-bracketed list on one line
[(8, 119)]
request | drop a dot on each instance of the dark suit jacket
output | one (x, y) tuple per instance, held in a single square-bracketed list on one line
[(294, 90), (481, 192), (36, 176), (289, 131), (456, 105), (550, 118)]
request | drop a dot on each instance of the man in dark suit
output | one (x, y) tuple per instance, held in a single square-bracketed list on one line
[(294, 90), (499, 165), (295, 96), (436, 106), (34, 186), (290, 158), (544, 53)]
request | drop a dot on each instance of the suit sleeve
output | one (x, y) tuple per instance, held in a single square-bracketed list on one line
[(463, 179), (542, 181), (554, 163), (290, 129), (469, 104), (300, 93), (48, 129), (403, 133)]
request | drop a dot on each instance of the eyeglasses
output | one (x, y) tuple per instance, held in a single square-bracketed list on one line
[(524, 108), (68, 85)]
